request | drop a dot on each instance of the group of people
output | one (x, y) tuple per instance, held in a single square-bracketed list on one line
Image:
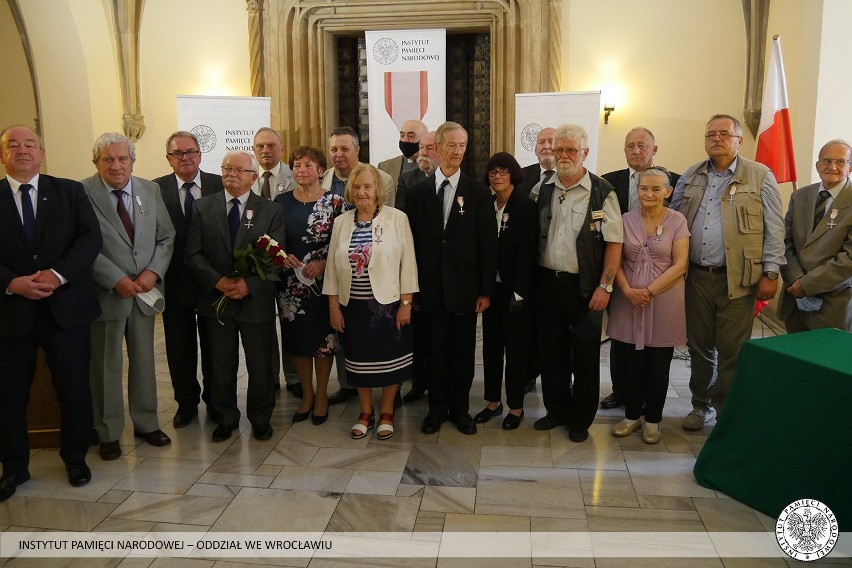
[(384, 271)]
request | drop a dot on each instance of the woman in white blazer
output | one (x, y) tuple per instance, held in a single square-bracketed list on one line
[(370, 279)]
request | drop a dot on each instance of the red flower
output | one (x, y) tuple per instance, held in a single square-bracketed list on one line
[(278, 260), (262, 243), (273, 251)]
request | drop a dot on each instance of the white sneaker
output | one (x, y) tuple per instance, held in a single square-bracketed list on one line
[(696, 419)]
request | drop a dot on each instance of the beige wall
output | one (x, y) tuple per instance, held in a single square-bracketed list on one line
[(673, 64)]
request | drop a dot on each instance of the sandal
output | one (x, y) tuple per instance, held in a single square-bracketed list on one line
[(360, 430), (385, 431)]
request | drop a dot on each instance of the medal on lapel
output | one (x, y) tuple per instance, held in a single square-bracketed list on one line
[(139, 203), (832, 223), (732, 192), (460, 201), (504, 223)]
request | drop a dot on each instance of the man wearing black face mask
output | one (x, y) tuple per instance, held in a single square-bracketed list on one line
[(409, 144)]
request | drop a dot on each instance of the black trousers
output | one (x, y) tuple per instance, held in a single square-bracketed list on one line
[(452, 343), (67, 353), (505, 332), (569, 339), (420, 369), (258, 340), (183, 332), (646, 379)]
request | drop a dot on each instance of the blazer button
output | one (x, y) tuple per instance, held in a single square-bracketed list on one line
[(35, 257)]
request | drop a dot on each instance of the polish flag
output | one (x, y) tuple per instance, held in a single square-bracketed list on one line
[(774, 136)]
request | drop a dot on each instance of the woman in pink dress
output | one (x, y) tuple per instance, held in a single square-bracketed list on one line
[(646, 313)]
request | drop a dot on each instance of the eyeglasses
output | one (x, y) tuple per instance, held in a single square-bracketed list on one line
[(723, 135), (177, 154), (827, 162), (571, 152), (229, 170), (498, 172)]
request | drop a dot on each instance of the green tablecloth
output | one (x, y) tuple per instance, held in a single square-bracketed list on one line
[(786, 430)]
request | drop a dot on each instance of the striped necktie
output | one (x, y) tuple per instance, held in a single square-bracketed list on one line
[(819, 212)]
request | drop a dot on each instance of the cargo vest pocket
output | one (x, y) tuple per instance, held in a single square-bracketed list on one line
[(753, 265), (750, 219)]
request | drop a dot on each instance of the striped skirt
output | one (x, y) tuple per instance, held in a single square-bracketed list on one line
[(376, 353)]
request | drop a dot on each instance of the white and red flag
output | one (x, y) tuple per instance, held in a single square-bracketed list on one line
[(774, 136)]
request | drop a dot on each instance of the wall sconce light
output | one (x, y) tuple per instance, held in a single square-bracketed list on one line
[(608, 108)]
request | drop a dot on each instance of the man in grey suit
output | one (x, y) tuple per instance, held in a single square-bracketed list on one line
[(427, 161), (817, 291), (221, 223), (180, 189), (128, 273), (409, 144)]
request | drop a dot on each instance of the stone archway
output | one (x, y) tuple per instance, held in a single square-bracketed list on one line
[(293, 60)]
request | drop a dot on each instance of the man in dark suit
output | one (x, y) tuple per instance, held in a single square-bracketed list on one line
[(537, 174), (455, 241), (180, 190), (640, 147), (50, 238), (222, 223), (427, 160), (580, 239), (818, 243)]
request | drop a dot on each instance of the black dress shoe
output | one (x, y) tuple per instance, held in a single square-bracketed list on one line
[(261, 431), (342, 396), (9, 483), (578, 434), (296, 390), (78, 473), (549, 422), (464, 424), (414, 394), (432, 422), (213, 415), (512, 421), (110, 450), (223, 432), (317, 419), (397, 400), (487, 414), (612, 401), (301, 416), (184, 418), (157, 438)]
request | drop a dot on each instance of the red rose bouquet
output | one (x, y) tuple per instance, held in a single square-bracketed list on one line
[(263, 259)]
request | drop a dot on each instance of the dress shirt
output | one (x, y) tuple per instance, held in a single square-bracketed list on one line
[(449, 196), (17, 195), (707, 244), (560, 250), (196, 189), (832, 192), (243, 199)]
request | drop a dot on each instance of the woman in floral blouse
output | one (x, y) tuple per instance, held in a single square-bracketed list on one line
[(309, 214)]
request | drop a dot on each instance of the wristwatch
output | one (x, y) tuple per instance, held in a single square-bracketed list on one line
[(406, 302), (606, 287), (771, 275)]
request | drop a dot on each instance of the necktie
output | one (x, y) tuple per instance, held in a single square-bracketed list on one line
[(439, 199), (123, 214), (188, 201), (264, 189), (547, 175), (536, 189), (234, 220), (633, 199), (27, 211), (819, 213)]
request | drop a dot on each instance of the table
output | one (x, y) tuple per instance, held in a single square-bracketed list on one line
[(786, 429)]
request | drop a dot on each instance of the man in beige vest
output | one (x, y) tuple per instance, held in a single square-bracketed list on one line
[(733, 209)]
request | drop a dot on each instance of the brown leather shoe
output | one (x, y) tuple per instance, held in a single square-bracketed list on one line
[(157, 438), (110, 450)]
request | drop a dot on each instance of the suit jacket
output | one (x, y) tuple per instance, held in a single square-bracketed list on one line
[(620, 180), (180, 285), (67, 239), (392, 167), (456, 264), (392, 269), (390, 184), (404, 185), (151, 249), (210, 257), (517, 255), (532, 175), (821, 258)]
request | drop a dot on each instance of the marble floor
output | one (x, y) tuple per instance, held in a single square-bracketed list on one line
[(316, 478)]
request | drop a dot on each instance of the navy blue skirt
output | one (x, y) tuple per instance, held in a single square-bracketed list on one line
[(376, 353)]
